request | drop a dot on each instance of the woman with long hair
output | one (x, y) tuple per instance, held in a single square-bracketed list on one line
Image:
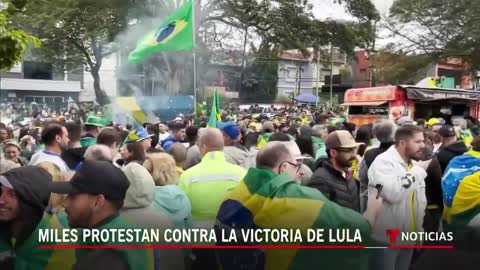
[(305, 144), (363, 135), (168, 196), (131, 152)]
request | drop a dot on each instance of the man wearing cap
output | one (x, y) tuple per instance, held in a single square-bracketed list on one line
[(24, 196), (235, 152), (332, 175), (451, 146), (12, 152), (92, 129), (95, 196)]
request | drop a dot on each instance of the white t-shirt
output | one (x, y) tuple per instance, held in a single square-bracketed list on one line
[(45, 156), (163, 136)]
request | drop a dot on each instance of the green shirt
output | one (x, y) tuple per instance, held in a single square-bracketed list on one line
[(88, 141), (137, 259), (28, 256)]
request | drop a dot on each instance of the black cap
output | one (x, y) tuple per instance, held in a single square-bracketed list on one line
[(447, 131), (95, 177)]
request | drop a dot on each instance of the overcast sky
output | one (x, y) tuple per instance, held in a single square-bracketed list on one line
[(327, 9), (324, 9)]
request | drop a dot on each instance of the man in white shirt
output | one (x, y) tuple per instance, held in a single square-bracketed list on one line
[(163, 132), (401, 174), (55, 138)]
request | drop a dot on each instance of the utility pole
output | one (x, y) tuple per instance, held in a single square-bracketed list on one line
[(373, 52), (297, 79), (244, 58), (318, 77), (331, 74)]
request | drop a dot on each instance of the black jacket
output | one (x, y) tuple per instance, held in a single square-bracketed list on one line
[(446, 154), (73, 156), (31, 186), (373, 153), (333, 185), (433, 183)]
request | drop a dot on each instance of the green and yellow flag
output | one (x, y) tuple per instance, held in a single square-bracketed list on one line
[(265, 200), (175, 34), (215, 112)]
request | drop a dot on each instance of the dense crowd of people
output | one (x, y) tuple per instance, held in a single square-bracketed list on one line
[(256, 168)]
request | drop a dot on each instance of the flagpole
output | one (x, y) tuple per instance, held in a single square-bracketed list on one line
[(194, 61)]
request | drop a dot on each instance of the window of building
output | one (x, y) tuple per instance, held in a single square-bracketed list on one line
[(363, 75), (35, 70), (50, 100), (58, 100), (290, 73)]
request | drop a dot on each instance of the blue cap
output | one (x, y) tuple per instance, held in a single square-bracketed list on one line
[(231, 129)]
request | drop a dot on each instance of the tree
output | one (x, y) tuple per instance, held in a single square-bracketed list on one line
[(298, 29), (439, 28), (400, 68), (260, 82), (13, 42), (77, 33), (278, 25)]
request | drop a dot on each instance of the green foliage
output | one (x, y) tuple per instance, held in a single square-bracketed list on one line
[(287, 24), (260, 83), (76, 34), (13, 44), (438, 27), (400, 68)]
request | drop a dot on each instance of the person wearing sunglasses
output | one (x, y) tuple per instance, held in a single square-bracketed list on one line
[(332, 175)]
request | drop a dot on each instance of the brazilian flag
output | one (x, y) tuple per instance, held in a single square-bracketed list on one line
[(175, 34)]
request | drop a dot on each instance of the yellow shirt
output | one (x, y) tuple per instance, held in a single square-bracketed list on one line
[(179, 171)]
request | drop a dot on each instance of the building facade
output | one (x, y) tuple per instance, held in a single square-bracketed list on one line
[(452, 67), (361, 70), (40, 82), (304, 74)]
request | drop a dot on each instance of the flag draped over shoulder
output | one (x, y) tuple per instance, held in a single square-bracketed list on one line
[(466, 203), (268, 201), (175, 34), (458, 169), (215, 111)]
